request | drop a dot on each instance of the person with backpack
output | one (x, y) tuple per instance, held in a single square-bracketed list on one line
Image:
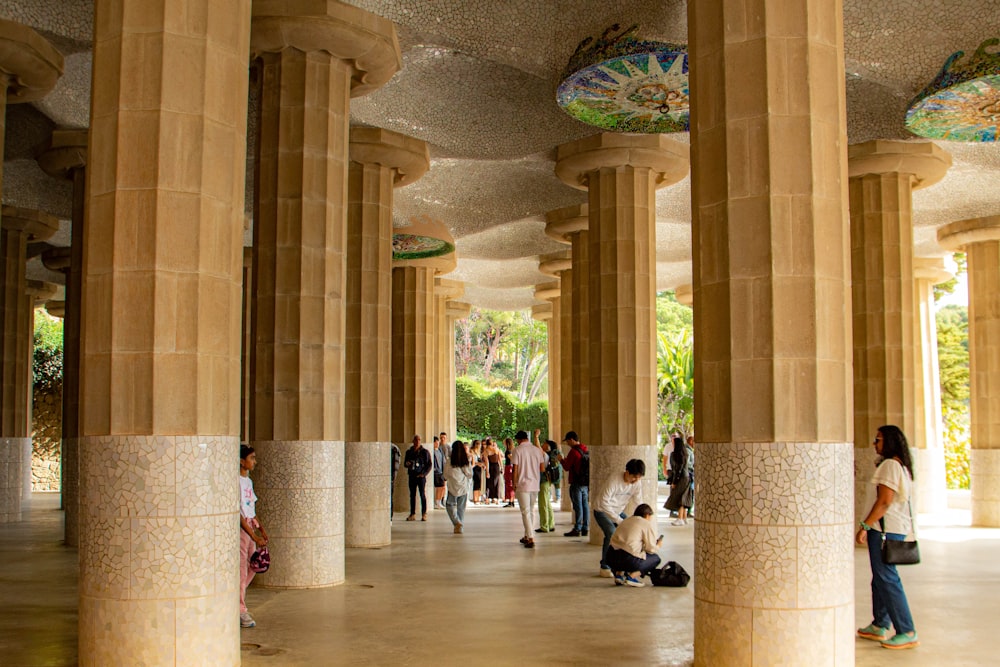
[(577, 464), (633, 550), (550, 478)]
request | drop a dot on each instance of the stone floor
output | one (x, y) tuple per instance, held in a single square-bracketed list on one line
[(435, 598)]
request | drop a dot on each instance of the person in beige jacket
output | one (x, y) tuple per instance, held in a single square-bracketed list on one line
[(632, 552)]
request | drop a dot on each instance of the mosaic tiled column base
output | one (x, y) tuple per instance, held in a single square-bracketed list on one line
[(10, 478), (930, 486), (26, 449), (71, 490), (159, 550), (608, 461), (774, 565), (367, 494), (985, 487), (300, 484)]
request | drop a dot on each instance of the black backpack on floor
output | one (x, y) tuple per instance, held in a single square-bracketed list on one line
[(671, 574)]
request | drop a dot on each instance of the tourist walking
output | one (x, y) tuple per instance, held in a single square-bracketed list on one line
[(890, 518), (458, 473), (529, 462), (494, 472), (252, 534), (681, 462), (418, 465)]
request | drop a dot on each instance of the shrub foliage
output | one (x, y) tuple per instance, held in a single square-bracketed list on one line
[(483, 412)]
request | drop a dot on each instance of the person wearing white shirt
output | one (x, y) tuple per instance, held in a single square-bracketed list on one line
[(610, 507), (632, 554), (528, 463)]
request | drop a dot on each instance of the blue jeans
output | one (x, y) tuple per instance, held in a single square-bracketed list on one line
[(456, 508), (608, 528), (888, 599), (623, 561), (580, 497)]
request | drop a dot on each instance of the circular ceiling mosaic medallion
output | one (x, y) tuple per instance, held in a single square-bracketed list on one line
[(622, 84), (963, 102), (413, 246)]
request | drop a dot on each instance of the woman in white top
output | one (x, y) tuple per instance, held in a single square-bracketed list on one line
[(893, 482), (458, 472)]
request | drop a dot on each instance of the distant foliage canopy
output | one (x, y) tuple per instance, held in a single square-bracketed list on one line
[(484, 412), (47, 362)]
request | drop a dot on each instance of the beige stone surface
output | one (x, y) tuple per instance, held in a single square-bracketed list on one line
[(30, 65), (925, 161), (771, 303)]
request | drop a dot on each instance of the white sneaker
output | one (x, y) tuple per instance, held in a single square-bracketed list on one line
[(607, 574), (678, 522), (246, 620)]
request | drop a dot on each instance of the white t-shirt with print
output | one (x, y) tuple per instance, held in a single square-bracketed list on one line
[(892, 474), (248, 499)]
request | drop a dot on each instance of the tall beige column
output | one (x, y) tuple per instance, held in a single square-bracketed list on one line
[(446, 292), (931, 493), (29, 68), (774, 562), (621, 174), (246, 329), (455, 310), (18, 227), (312, 57), (882, 175), (569, 225), (561, 265), (380, 161), (421, 251), (980, 239), (37, 293), (160, 342), (550, 293), (66, 157)]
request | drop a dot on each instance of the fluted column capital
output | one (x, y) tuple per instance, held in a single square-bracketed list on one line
[(667, 158), (40, 291), (424, 242), (555, 263), (547, 291), (685, 294), (37, 225), (957, 235), (408, 157), (56, 309), (562, 223), (65, 152), (457, 310), (448, 289), (935, 270), (57, 259), (924, 160), (29, 64), (542, 311), (365, 41)]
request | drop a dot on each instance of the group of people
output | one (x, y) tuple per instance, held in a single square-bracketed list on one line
[(629, 549)]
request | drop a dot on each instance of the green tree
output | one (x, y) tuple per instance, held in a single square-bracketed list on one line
[(675, 383), (672, 316), (47, 358), (953, 364)]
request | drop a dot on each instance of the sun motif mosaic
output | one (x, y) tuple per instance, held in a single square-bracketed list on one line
[(414, 246), (624, 84), (962, 103)]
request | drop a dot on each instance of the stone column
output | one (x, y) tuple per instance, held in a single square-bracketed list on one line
[(36, 293), (380, 161), (561, 265), (246, 328), (931, 494), (569, 225), (66, 157), (550, 293), (18, 227), (160, 340), (312, 57), (420, 251), (455, 310), (621, 174), (774, 562), (29, 68), (980, 239), (684, 295), (882, 176), (445, 293)]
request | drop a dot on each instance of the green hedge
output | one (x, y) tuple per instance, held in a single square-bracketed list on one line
[(496, 413)]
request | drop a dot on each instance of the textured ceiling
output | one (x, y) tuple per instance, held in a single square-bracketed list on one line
[(478, 84)]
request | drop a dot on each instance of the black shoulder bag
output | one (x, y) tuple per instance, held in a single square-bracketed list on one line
[(897, 552)]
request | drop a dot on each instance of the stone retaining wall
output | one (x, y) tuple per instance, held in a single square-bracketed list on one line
[(46, 440)]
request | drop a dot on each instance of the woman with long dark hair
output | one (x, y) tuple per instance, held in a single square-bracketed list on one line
[(494, 473), (679, 478), (458, 480), (890, 518)]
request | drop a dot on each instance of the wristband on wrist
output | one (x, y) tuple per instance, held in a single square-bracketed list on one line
[(865, 525)]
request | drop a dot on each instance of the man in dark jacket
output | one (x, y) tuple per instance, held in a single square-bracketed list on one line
[(418, 464), (577, 464)]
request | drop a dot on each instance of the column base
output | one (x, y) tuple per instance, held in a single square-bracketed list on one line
[(300, 486), (931, 485), (11, 478), (367, 494), (610, 460), (773, 556), (984, 483)]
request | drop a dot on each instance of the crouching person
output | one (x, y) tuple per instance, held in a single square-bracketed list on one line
[(632, 552)]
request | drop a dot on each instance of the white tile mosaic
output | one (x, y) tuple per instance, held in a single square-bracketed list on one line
[(11, 478), (367, 494), (609, 460)]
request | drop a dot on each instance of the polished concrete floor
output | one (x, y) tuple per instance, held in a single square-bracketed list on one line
[(435, 598)]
